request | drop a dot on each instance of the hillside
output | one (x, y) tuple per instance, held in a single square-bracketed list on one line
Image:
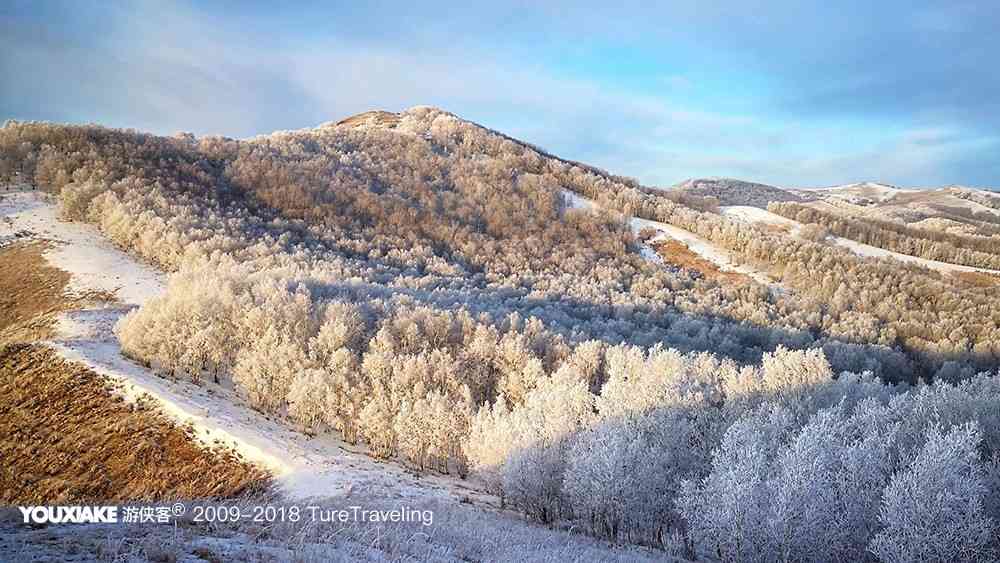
[(950, 209), (949, 229), (729, 191), (410, 306), (794, 228), (956, 210), (114, 431)]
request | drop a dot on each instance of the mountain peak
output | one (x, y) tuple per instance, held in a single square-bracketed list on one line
[(373, 118)]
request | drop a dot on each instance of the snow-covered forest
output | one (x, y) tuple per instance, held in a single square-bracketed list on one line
[(418, 283), (976, 251)]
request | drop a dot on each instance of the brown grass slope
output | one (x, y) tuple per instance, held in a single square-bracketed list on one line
[(31, 293), (66, 437), (678, 254)]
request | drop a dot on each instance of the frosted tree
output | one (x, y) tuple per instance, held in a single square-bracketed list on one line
[(640, 380), (531, 444), (477, 361), (342, 327), (414, 429), (265, 373), (307, 399), (75, 199), (934, 511), (727, 511), (826, 488), (489, 442), (797, 378), (588, 359), (377, 425), (448, 422), (624, 475), (345, 393), (518, 380)]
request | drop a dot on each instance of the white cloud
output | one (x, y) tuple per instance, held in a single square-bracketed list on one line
[(168, 69)]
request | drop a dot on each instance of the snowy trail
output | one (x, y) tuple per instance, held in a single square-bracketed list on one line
[(703, 248), (750, 214), (79, 248), (303, 466), (762, 216)]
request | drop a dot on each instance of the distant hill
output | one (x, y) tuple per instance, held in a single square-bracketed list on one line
[(729, 191), (952, 209)]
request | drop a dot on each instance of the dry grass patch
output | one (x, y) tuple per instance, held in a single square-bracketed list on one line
[(66, 437), (33, 293), (377, 117), (776, 228), (678, 254), (977, 279)]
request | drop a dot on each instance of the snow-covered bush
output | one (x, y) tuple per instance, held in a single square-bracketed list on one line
[(75, 199)]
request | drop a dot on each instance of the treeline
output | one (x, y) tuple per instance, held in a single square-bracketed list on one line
[(967, 250)]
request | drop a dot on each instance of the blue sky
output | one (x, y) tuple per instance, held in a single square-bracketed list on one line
[(789, 93)]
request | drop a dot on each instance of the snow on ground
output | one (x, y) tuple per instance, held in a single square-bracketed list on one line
[(95, 264), (872, 191), (754, 215), (749, 214), (703, 248), (303, 466), (876, 252), (576, 201)]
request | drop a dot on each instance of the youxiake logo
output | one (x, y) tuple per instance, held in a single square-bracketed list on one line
[(69, 514)]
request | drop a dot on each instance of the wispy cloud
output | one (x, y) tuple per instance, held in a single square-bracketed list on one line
[(806, 95)]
